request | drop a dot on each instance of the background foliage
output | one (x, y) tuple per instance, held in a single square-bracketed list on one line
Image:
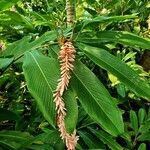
[(109, 92)]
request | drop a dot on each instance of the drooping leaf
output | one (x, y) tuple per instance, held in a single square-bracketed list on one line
[(102, 19), (15, 139), (19, 47), (41, 74), (107, 139), (15, 135), (118, 68), (96, 100), (121, 37), (9, 145)]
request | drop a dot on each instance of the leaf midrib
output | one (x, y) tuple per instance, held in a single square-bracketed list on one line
[(41, 71), (93, 97), (116, 71)]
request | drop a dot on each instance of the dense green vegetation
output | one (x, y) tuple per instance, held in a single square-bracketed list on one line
[(108, 97)]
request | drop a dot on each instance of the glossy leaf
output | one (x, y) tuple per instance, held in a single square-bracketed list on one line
[(96, 100), (124, 37), (118, 68)]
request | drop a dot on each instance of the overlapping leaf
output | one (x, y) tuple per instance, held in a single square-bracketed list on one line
[(102, 19), (118, 68), (121, 37), (19, 47), (107, 139), (41, 74), (96, 100)]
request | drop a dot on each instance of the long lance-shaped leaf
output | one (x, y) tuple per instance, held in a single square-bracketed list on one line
[(103, 19), (122, 71), (41, 74), (96, 100), (20, 47), (40, 80), (121, 37)]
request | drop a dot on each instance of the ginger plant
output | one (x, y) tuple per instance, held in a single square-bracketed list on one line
[(66, 59)]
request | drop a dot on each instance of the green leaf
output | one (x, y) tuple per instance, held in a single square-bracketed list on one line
[(103, 19), (15, 139), (124, 37), (96, 100), (7, 115), (51, 137), (142, 146), (121, 89), (118, 68), (14, 18), (41, 82), (4, 4), (16, 136), (141, 115), (88, 87), (145, 126), (4, 62), (134, 121), (19, 47), (9, 145), (144, 136), (41, 74), (121, 37), (106, 139), (89, 140), (72, 109)]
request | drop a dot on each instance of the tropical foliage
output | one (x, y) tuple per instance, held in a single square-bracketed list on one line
[(108, 96)]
